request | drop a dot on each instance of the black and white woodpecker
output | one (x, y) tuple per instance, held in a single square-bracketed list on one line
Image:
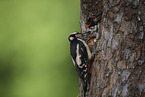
[(81, 55)]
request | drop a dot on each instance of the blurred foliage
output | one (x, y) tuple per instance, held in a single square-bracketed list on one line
[(34, 49)]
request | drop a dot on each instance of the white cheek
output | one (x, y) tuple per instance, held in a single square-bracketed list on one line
[(71, 38)]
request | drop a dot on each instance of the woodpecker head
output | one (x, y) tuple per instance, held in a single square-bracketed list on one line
[(90, 22), (72, 37)]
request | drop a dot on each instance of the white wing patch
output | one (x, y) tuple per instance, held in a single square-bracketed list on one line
[(78, 60), (88, 50)]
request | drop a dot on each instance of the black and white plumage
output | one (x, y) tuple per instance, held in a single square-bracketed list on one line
[(81, 54)]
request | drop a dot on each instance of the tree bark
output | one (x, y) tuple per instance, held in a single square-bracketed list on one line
[(119, 66)]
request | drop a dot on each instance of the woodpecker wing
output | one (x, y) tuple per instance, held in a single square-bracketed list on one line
[(73, 50), (80, 54), (83, 67)]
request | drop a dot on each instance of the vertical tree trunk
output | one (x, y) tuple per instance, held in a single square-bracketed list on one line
[(119, 66)]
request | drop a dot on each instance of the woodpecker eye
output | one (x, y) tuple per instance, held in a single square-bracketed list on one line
[(71, 38)]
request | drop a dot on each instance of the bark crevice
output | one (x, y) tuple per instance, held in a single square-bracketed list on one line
[(118, 68)]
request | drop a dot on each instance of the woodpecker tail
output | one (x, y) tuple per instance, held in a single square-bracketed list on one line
[(85, 89)]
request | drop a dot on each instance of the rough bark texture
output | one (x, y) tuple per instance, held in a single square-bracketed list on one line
[(119, 66)]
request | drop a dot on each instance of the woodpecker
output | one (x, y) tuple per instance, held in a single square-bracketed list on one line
[(81, 56)]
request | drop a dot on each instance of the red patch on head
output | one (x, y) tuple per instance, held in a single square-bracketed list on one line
[(88, 26)]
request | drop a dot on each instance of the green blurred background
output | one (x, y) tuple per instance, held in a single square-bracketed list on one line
[(34, 50)]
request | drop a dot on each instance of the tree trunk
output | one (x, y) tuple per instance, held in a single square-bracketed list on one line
[(119, 66)]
